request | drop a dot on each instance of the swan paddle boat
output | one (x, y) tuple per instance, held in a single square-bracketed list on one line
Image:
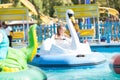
[(67, 53), (13, 65)]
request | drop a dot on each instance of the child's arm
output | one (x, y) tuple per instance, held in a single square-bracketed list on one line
[(1, 37)]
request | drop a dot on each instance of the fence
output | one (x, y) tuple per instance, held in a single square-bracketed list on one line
[(108, 31)]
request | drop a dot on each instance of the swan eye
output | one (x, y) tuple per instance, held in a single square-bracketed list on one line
[(70, 15)]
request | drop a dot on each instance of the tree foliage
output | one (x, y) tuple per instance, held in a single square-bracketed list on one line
[(47, 6), (15, 2), (114, 4), (5, 1)]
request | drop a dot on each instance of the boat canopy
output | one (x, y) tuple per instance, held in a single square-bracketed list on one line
[(7, 14)]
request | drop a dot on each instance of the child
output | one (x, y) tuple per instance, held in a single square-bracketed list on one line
[(61, 35), (4, 42)]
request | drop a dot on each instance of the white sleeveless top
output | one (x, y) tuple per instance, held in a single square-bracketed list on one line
[(60, 38)]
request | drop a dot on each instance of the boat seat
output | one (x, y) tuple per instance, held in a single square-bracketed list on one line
[(86, 32)]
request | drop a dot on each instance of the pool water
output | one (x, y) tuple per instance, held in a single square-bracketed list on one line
[(100, 72)]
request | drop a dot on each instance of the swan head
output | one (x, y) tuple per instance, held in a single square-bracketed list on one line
[(69, 13)]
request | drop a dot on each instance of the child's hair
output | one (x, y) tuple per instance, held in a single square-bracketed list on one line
[(59, 27), (2, 23)]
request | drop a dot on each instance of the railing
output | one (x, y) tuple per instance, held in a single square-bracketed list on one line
[(109, 31)]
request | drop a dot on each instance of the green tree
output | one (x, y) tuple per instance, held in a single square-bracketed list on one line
[(48, 5), (5, 1), (15, 2), (114, 4), (52, 4)]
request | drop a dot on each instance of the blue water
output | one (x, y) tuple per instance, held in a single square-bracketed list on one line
[(106, 48), (100, 72)]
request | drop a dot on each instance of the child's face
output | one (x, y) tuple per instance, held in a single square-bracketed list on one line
[(62, 30)]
